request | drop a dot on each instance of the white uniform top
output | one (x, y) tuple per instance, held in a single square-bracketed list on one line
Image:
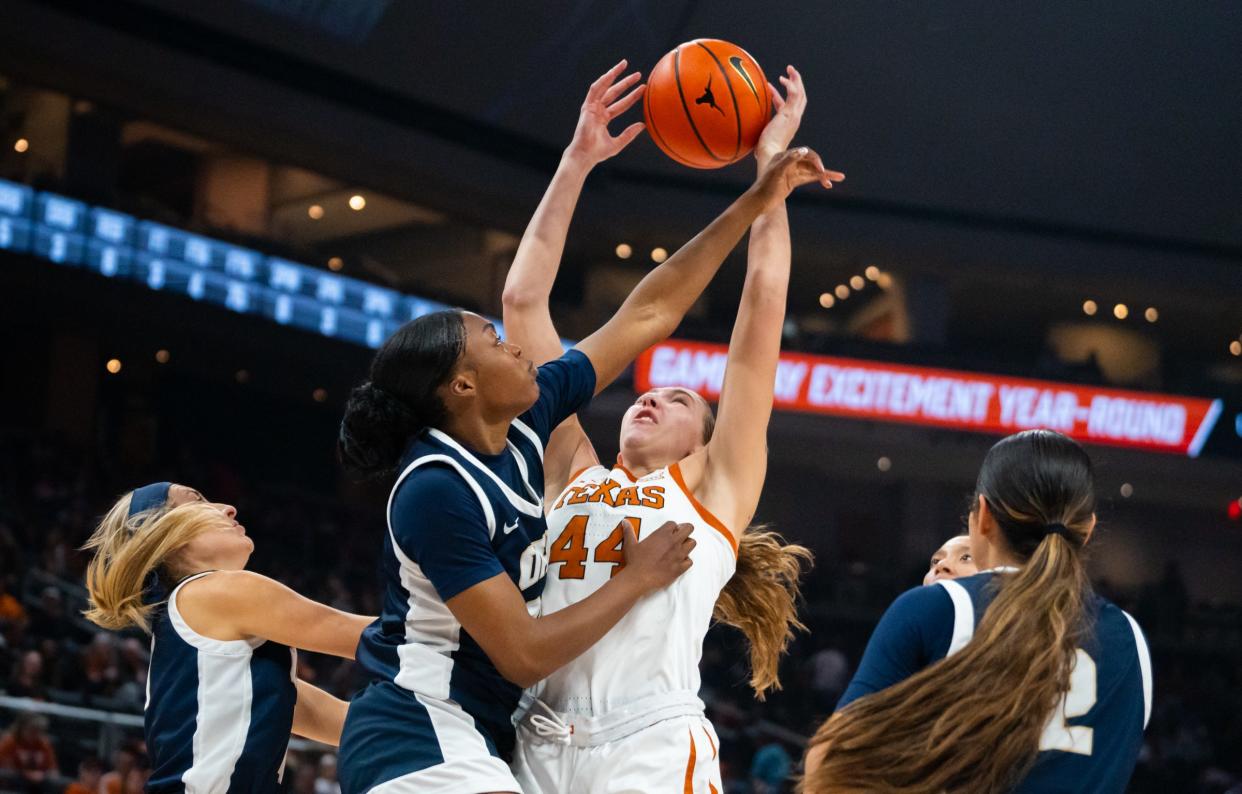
[(655, 649)]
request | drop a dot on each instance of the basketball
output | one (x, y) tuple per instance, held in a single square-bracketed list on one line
[(706, 103)]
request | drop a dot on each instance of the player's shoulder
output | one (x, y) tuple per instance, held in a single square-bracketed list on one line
[(434, 488), (923, 604)]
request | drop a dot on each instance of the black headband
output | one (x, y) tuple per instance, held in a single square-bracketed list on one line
[(1060, 529)]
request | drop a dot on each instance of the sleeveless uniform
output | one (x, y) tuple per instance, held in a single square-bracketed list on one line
[(218, 712), (1092, 740), (625, 716), (437, 717)]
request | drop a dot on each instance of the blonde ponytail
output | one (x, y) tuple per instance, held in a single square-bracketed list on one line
[(761, 600), (127, 550)]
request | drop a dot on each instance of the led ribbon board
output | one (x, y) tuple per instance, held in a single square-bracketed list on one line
[(947, 398)]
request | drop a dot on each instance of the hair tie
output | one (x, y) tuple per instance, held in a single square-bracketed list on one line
[(1059, 529)]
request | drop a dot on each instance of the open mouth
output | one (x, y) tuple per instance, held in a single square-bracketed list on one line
[(645, 415)]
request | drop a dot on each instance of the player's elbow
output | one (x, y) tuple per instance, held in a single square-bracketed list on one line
[(521, 670), (517, 297)]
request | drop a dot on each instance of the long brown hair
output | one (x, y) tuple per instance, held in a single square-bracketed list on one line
[(972, 722), (128, 550), (761, 599)]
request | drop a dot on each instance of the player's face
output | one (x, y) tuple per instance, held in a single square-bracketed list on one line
[(665, 424), (951, 560), (223, 545), (505, 382)]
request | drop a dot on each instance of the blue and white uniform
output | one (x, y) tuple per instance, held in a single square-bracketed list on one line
[(437, 717), (1091, 741), (218, 712)]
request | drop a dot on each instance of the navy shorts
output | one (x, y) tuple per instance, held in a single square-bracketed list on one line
[(397, 741)]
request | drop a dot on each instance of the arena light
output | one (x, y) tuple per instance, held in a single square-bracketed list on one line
[(1089, 308), (858, 282), (827, 300), (624, 251), (162, 356), (1121, 311), (872, 273), (113, 366), (1151, 315), (842, 291), (319, 395), (21, 145), (335, 264), (884, 463), (315, 212), (885, 281), (357, 203), (1235, 347), (1127, 490), (658, 255)]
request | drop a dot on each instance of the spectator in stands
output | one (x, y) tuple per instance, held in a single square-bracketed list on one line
[(829, 673), (28, 679), (770, 768), (124, 761), (49, 619), (12, 614), (90, 772), (326, 782), (100, 665), (26, 750)]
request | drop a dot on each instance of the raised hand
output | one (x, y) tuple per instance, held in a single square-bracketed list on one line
[(780, 131), (789, 169), (606, 100)]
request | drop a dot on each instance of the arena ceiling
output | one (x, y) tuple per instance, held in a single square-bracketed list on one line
[(1093, 142)]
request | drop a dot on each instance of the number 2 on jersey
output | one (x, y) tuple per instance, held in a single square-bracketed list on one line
[(1076, 703), (570, 548)]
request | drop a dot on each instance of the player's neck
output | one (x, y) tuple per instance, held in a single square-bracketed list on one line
[(639, 466), (476, 433)]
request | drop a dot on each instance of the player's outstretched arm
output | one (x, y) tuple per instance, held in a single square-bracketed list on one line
[(527, 320), (526, 650), (660, 301), (237, 604), (317, 715), (735, 463)]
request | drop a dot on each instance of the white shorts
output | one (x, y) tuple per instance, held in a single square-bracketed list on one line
[(679, 754)]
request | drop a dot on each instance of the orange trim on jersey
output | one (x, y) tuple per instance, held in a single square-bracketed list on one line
[(628, 473), (712, 788), (689, 789), (714, 522), (577, 474), (709, 741)]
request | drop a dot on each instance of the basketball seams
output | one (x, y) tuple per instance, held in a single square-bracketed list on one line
[(681, 95), (737, 111), (654, 128)]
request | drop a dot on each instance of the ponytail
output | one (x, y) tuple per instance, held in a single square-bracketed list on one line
[(972, 722), (129, 551), (761, 600), (400, 399)]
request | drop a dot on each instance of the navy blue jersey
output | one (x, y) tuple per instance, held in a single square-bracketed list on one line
[(1092, 740), (456, 518), (218, 712)]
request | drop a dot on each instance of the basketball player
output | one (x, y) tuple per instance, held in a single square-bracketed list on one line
[(951, 561), (465, 419), (625, 716), (222, 691), (1017, 678)]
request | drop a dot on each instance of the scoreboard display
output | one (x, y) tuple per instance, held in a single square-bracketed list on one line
[(115, 245)]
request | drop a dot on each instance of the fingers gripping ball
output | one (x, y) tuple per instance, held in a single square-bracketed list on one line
[(706, 103)]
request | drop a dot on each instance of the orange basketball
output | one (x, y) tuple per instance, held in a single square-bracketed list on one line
[(706, 103)]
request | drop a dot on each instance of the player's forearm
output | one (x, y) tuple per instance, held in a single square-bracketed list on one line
[(538, 257), (317, 715), (555, 640), (768, 257)]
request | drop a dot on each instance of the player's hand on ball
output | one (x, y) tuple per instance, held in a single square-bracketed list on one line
[(606, 100), (788, 170), (780, 131), (662, 557)]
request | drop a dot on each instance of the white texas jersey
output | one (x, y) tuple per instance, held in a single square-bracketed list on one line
[(655, 648)]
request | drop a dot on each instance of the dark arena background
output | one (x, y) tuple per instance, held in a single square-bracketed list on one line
[(212, 213)]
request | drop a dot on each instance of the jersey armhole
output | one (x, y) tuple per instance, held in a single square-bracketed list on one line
[(201, 642), (715, 523)]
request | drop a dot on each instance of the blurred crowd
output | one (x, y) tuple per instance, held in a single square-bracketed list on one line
[(50, 496)]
